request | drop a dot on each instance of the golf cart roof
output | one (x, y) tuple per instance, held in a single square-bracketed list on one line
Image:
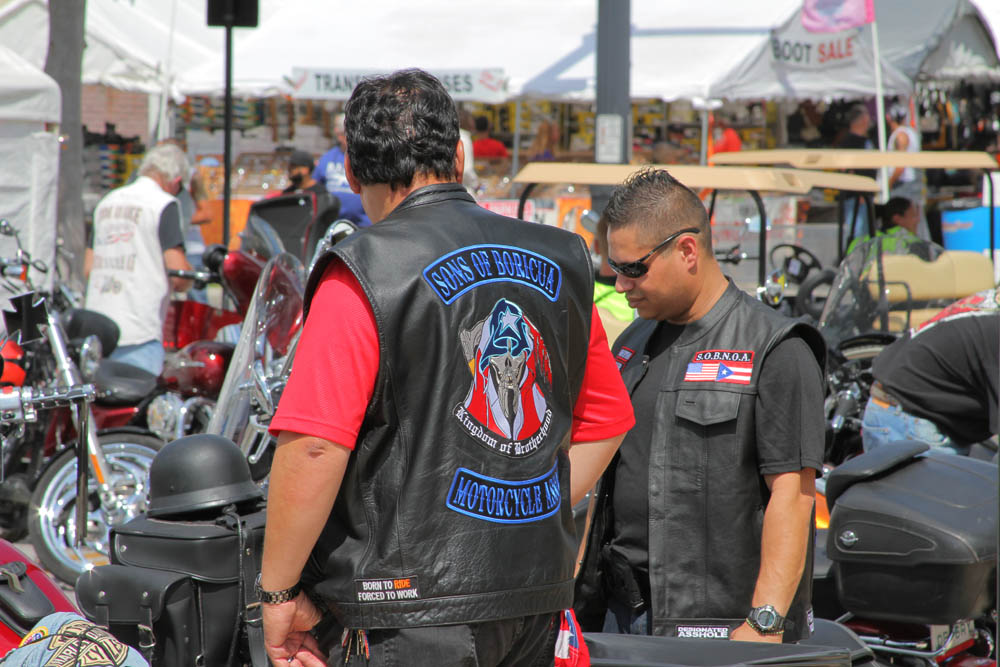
[(805, 158), (762, 179)]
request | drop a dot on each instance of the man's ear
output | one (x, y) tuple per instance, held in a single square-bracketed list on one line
[(459, 160), (351, 180), (689, 248)]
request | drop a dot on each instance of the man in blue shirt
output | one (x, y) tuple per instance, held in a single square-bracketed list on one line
[(330, 172)]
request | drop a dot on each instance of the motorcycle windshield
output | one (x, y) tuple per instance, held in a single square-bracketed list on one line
[(262, 356), (880, 289), (260, 238)]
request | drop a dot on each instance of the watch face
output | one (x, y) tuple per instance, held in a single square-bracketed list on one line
[(766, 618)]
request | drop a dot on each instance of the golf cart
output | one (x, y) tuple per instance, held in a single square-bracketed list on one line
[(795, 249)]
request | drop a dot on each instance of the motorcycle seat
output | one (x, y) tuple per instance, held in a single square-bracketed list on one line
[(869, 464), (118, 383), (834, 635)]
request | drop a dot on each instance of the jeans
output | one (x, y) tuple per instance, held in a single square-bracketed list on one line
[(625, 621), (527, 641), (147, 356), (882, 425)]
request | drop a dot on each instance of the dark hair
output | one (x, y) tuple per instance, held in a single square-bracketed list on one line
[(482, 124), (400, 125), (657, 205), (892, 208)]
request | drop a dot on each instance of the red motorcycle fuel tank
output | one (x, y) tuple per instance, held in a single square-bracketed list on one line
[(199, 368), (10, 637), (240, 271), (189, 321), (13, 371)]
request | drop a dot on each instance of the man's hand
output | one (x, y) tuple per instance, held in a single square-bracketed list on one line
[(745, 633), (286, 633)]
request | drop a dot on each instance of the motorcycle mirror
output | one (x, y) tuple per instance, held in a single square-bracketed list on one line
[(7, 229)]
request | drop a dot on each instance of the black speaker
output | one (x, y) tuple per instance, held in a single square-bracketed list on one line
[(241, 13)]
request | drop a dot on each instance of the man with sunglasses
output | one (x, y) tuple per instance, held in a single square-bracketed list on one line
[(704, 519)]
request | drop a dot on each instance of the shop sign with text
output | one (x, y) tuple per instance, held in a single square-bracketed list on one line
[(796, 48), (480, 85)]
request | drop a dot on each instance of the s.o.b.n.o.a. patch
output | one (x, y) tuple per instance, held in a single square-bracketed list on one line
[(507, 406)]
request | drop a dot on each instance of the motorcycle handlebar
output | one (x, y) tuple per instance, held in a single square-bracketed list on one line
[(20, 404), (197, 276)]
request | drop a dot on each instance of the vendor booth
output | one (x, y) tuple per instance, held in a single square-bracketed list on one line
[(29, 159), (919, 40)]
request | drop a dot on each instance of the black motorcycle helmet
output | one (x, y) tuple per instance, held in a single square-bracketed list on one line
[(198, 473)]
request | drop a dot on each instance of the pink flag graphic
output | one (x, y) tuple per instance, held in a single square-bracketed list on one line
[(836, 15)]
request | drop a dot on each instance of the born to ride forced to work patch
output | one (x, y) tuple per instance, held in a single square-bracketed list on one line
[(387, 590), (454, 274), (732, 366)]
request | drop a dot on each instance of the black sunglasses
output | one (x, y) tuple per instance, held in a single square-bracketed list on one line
[(638, 268)]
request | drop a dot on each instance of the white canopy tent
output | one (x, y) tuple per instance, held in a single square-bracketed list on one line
[(547, 50), (717, 48), (919, 40), (127, 41), (29, 158)]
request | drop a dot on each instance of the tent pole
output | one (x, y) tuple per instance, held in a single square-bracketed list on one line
[(515, 158), (704, 137), (163, 129), (880, 106), (227, 139)]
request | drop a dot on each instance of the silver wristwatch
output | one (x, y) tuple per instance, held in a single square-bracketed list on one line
[(766, 620), (276, 597)]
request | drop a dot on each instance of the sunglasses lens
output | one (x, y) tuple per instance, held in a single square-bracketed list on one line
[(629, 270)]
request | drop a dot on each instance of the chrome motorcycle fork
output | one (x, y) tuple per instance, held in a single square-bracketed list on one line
[(69, 375)]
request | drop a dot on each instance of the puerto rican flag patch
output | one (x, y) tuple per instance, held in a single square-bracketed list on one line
[(623, 356), (732, 366)]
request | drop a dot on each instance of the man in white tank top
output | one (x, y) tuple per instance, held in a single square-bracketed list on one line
[(906, 181), (137, 238)]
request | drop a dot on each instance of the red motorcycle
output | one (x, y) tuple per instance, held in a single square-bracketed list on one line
[(135, 412)]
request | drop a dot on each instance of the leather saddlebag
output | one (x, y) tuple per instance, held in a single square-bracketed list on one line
[(151, 610), (220, 556)]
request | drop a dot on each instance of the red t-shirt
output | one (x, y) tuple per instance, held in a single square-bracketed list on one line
[(337, 360), (488, 147)]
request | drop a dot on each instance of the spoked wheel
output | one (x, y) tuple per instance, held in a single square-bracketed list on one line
[(52, 516)]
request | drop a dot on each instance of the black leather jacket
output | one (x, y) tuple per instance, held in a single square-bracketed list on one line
[(455, 504), (706, 495)]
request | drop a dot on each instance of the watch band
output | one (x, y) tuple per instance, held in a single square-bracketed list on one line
[(276, 597)]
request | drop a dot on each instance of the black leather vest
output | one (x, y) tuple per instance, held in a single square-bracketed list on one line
[(455, 504), (706, 495)]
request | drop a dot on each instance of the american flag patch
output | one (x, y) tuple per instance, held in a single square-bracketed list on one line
[(733, 366), (623, 356)]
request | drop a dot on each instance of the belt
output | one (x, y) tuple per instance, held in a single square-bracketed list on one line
[(881, 397)]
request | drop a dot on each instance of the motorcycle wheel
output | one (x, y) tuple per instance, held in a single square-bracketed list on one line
[(52, 515)]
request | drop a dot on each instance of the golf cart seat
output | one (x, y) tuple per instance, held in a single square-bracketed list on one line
[(916, 289)]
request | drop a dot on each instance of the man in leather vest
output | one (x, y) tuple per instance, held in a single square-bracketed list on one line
[(704, 522), (452, 396)]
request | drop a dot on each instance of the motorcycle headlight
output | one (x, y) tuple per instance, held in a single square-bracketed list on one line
[(90, 357), (162, 415)]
